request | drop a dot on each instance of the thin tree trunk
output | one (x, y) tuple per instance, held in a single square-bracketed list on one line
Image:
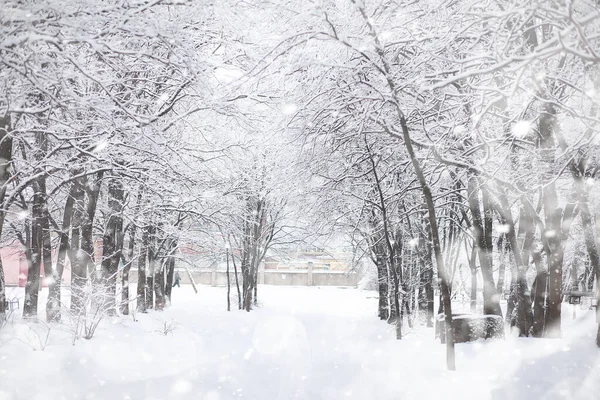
[(521, 299), (151, 268), (237, 282), (112, 244), (33, 252), (6, 145), (228, 281), (589, 236), (52, 277), (473, 268), (141, 285), (170, 271), (443, 274), (382, 286), (87, 238), (426, 244), (130, 254), (68, 214), (482, 232), (78, 260)]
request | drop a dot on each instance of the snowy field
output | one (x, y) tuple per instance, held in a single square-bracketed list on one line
[(302, 343)]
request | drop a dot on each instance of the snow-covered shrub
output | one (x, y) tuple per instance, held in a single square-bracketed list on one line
[(35, 334), (368, 280), (83, 322), (168, 327)]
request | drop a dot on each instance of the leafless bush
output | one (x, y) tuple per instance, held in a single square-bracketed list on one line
[(84, 321), (37, 339), (167, 327)]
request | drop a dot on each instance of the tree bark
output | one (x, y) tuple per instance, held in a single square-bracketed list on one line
[(237, 282), (382, 287), (519, 296), (34, 259), (150, 274), (482, 232), (130, 255), (443, 274), (554, 232), (589, 234), (65, 231), (141, 285), (78, 260), (473, 268), (170, 270), (6, 145), (228, 281), (112, 244)]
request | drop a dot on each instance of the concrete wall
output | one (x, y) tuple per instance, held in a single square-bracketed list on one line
[(281, 277)]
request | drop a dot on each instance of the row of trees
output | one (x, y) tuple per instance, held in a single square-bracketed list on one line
[(462, 133), (442, 137), (114, 126)]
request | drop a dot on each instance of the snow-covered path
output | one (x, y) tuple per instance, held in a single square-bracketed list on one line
[(302, 343)]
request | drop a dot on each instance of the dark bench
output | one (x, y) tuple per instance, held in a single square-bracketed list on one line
[(12, 304), (470, 327)]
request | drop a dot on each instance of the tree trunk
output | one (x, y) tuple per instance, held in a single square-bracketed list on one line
[(237, 282), (63, 246), (473, 268), (425, 243), (382, 286), (151, 268), (112, 244), (87, 232), (33, 252), (482, 232), (52, 277), (6, 145), (130, 254), (246, 285), (502, 250), (589, 235), (539, 288), (443, 274), (170, 270), (76, 256), (228, 282), (141, 285)]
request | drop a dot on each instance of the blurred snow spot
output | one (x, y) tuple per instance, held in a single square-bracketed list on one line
[(100, 146), (385, 35), (22, 215), (550, 233), (212, 395), (289, 109), (504, 228), (521, 129), (181, 386), (278, 334), (5, 395)]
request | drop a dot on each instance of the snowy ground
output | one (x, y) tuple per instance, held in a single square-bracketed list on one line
[(303, 343)]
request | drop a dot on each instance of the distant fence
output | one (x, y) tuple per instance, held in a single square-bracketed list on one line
[(271, 277)]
